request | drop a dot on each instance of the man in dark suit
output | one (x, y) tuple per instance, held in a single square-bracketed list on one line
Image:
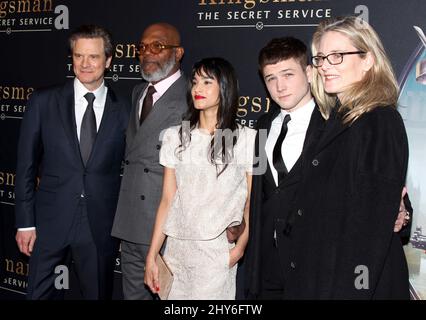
[(283, 64), (285, 135), (158, 103), (72, 138)]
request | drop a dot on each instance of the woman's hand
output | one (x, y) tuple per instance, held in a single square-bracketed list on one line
[(151, 274), (235, 254), (403, 215)]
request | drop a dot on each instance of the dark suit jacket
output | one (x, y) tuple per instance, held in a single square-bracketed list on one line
[(266, 198), (49, 147), (342, 244)]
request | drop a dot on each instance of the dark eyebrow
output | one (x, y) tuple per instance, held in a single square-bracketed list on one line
[(286, 70), (281, 71)]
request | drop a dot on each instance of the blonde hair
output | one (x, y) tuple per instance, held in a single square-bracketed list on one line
[(378, 86)]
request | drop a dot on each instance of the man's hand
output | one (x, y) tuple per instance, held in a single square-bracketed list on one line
[(403, 215), (25, 241), (233, 233)]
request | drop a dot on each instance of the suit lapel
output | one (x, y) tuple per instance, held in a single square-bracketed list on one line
[(108, 115), (107, 122), (266, 125), (315, 129), (162, 109), (136, 98), (333, 128), (67, 114), (133, 127), (66, 106), (313, 133)]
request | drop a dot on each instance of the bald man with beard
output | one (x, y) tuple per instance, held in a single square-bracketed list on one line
[(157, 103)]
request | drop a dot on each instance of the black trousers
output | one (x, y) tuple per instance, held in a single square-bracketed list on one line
[(93, 268)]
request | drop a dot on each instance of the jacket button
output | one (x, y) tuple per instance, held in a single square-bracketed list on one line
[(277, 190), (146, 170), (142, 197), (299, 212), (126, 162), (158, 147), (292, 265), (315, 162)]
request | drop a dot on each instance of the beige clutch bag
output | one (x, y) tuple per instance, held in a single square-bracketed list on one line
[(165, 277)]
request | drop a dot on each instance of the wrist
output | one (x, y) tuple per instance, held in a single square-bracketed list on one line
[(151, 256), (239, 252)]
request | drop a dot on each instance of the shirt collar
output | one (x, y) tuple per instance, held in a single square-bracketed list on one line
[(301, 114), (80, 90), (162, 86)]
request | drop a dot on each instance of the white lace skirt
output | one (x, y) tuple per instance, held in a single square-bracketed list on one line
[(201, 269)]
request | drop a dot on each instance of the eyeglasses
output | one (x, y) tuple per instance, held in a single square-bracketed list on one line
[(332, 58), (155, 47)]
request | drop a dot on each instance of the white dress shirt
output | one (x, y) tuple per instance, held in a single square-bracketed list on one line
[(80, 107), (81, 103), (160, 88), (292, 146)]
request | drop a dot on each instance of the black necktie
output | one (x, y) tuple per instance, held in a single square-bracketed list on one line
[(277, 157), (88, 129), (147, 104)]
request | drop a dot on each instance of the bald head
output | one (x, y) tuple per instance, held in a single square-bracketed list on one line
[(157, 65), (169, 33)]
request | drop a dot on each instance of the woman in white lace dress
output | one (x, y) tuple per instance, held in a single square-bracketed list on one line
[(206, 188)]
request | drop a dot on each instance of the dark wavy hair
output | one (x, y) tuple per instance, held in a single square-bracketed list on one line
[(222, 143)]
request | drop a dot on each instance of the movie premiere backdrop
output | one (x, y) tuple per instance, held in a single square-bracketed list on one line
[(34, 53)]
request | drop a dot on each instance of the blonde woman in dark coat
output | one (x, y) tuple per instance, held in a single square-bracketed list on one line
[(344, 247)]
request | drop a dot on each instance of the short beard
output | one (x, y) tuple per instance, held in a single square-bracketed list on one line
[(161, 73)]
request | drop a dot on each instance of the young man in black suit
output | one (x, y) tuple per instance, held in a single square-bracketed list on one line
[(293, 126)]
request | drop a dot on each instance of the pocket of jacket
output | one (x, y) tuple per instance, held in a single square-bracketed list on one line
[(48, 183)]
